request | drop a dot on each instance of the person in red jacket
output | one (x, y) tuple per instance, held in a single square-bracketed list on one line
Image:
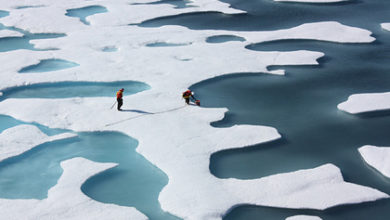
[(119, 99), (189, 94)]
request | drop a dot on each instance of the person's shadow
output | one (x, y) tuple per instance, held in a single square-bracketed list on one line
[(136, 111)]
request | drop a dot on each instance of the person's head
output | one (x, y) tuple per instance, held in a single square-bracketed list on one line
[(122, 90)]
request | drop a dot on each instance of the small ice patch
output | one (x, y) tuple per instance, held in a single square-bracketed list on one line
[(377, 157), (303, 217), (10, 33), (386, 26), (366, 102)]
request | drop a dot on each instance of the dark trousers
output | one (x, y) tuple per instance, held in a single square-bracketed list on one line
[(120, 103)]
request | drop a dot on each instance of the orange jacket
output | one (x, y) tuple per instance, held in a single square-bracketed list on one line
[(119, 94)]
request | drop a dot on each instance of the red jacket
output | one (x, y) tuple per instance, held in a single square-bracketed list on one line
[(119, 94)]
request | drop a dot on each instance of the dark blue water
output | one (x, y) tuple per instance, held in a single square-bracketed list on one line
[(74, 89), (303, 104), (270, 15), (84, 12), (48, 65)]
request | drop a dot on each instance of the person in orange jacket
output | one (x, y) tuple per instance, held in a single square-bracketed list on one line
[(187, 95), (119, 99)]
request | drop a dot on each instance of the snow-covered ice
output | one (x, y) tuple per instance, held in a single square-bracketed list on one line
[(21, 138), (377, 157), (303, 217), (10, 33), (366, 102), (180, 146), (66, 201), (386, 26)]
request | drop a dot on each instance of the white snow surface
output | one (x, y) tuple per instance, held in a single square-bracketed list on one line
[(366, 102), (66, 200), (377, 157), (386, 26), (303, 217), (9, 33), (176, 138), (18, 139)]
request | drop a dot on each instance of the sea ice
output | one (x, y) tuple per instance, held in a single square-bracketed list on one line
[(303, 217), (10, 33), (21, 138), (366, 102), (176, 138), (182, 148), (386, 26), (377, 157), (66, 201)]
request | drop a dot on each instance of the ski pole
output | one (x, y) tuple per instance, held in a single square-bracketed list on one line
[(113, 105)]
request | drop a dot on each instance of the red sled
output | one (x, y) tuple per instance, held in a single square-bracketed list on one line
[(197, 102)]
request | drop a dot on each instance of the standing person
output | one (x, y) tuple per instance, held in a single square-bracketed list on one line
[(119, 99)]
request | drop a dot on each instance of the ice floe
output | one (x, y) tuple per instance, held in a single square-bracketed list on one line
[(303, 217), (19, 139), (386, 26), (377, 157), (366, 102), (66, 201)]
